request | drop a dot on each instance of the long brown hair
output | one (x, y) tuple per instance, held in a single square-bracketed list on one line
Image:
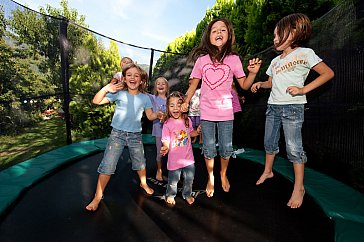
[(143, 76), (299, 24), (205, 47), (180, 97)]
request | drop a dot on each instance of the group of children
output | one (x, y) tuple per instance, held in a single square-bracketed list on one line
[(216, 64)]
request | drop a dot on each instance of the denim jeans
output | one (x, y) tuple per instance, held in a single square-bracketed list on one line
[(225, 138), (291, 117), (188, 173), (117, 141)]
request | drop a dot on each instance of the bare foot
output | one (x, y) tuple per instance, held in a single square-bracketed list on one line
[(170, 201), (296, 199), (210, 187), (159, 176), (147, 189), (190, 200), (94, 204), (264, 176), (225, 183)]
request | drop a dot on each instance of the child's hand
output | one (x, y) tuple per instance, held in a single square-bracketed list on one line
[(255, 87), (294, 90), (199, 129), (164, 150), (160, 116), (184, 107), (254, 65)]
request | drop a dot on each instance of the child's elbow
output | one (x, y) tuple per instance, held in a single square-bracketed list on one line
[(331, 74)]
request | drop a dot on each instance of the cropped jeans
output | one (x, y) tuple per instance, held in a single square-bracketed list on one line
[(117, 141), (291, 117), (225, 138)]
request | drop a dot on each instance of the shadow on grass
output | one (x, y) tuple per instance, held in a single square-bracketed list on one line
[(44, 136)]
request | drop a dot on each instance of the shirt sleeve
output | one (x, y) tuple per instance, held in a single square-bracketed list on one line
[(312, 58), (148, 102), (112, 96), (166, 137), (269, 70), (238, 68), (190, 128), (197, 70)]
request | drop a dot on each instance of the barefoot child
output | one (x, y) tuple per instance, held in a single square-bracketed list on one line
[(287, 74), (176, 138), (216, 64), (126, 123), (158, 98)]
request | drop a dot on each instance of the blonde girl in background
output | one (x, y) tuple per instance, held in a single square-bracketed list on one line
[(158, 98)]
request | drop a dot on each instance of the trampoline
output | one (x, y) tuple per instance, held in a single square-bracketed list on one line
[(48, 204)]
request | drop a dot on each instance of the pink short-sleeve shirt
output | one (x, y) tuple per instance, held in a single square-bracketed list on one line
[(177, 135), (217, 78)]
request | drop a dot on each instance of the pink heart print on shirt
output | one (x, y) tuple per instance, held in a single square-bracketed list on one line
[(215, 75)]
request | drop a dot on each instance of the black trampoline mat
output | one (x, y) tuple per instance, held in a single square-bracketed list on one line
[(54, 209)]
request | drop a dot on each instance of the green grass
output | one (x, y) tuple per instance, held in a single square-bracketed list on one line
[(42, 137)]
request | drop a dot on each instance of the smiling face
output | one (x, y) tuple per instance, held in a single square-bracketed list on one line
[(174, 107), (161, 86), (133, 79), (219, 34)]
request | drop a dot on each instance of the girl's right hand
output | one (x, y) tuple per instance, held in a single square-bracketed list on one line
[(255, 87), (164, 150)]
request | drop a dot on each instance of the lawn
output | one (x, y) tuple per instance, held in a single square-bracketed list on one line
[(42, 137)]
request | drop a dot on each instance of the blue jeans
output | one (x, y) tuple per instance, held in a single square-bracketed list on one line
[(225, 138), (173, 178), (117, 141), (291, 117)]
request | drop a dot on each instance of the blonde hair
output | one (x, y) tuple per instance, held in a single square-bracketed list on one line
[(155, 90), (126, 58)]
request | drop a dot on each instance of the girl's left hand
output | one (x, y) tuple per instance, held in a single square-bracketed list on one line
[(254, 65), (294, 90)]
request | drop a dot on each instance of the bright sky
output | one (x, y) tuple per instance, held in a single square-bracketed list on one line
[(145, 23)]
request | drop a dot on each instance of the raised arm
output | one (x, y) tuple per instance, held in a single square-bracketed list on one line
[(100, 96), (253, 68)]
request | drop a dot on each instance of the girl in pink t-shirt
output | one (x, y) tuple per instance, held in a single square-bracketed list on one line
[(216, 64), (176, 139)]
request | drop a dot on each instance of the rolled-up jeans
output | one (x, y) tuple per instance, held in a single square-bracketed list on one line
[(224, 135), (117, 141), (291, 117)]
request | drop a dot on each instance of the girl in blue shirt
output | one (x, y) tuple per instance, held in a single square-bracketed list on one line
[(131, 102)]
